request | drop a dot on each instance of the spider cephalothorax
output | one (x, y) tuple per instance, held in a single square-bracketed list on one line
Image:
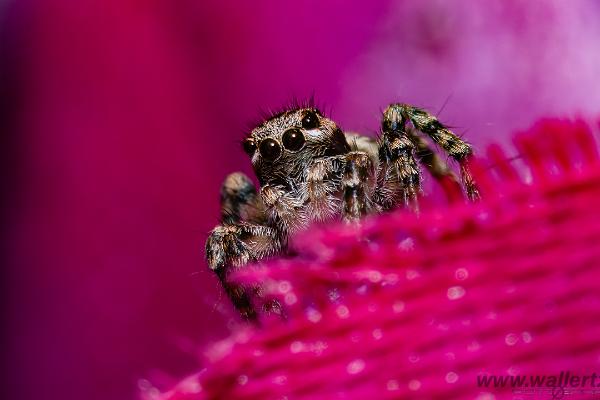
[(310, 170)]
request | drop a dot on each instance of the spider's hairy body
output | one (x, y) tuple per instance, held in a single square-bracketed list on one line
[(309, 170)]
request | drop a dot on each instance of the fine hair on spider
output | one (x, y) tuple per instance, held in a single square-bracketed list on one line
[(309, 170)]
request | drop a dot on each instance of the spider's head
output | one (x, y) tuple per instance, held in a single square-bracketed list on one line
[(284, 145)]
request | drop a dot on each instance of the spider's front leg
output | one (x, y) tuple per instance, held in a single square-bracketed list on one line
[(322, 187), (340, 185), (358, 184), (395, 118), (242, 237), (399, 176)]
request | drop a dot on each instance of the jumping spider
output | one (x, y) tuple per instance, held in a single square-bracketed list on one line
[(309, 170)]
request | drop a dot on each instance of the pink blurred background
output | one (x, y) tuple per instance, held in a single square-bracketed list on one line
[(121, 118)]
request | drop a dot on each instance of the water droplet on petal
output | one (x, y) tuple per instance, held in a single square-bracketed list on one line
[(398, 306), (473, 346), (313, 315), (414, 358), (290, 299), (355, 366), (407, 244), (414, 385), (412, 274), (334, 295), (284, 287), (511, 339), (318, 347), (461, 274), (391, 279), (342, 311), (242, 380), (483, 216), (296, 347), (377, 334), (456, 292), (374, 276), (393, 385), (526, 336), (451, 377)]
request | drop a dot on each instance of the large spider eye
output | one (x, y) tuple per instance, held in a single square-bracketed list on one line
[(310, 120), (249, 147), (293, 139), (269, 149)]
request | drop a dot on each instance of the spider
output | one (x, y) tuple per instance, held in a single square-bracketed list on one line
[(309, 170)]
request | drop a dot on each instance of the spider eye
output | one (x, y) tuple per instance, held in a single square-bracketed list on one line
[(293, 139), (310, 120), (249, 147), (270, 149)]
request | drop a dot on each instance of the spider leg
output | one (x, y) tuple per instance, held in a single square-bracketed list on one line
[(240, 238), (395, 118), (284, 209), (239, 200), (322, 187), (358, 182), (436, 166), (399, 176)]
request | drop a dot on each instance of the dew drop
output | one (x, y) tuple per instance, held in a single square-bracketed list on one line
[(391, 279), (407, 244), (355, 366), (461, 274), (342, 312), (412, 274), (334, 295), (398, 306), (374, 276), (318, 347), (290, 299), (284, 287), (377, 334), (511, 339), (414, 385), (451, 377), (296, 347), (456, 292), (393, 385), (473, 346), (512, 371), (313, 315)]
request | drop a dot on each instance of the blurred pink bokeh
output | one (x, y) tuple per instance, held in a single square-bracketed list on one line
[(121, 118)]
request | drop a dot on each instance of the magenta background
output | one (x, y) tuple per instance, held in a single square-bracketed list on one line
[(123, 117)]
